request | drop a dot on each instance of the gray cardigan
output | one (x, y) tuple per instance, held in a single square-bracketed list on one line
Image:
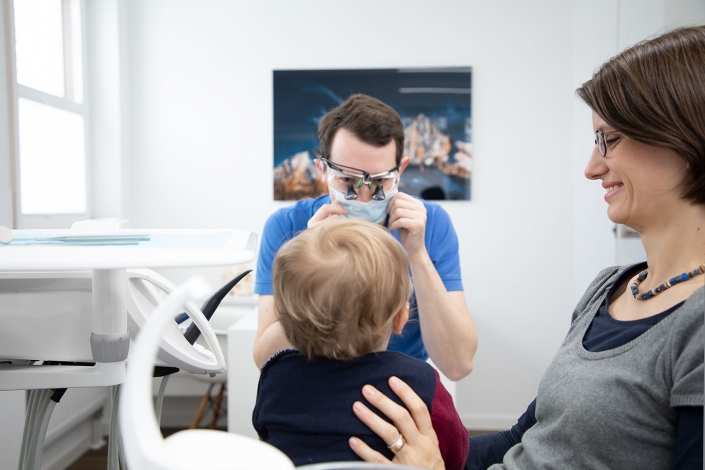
[(614, 409)]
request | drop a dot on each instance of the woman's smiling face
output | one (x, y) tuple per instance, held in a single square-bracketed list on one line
[(641, 181)]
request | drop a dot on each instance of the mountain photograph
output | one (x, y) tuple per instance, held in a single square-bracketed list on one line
[(434, 105)]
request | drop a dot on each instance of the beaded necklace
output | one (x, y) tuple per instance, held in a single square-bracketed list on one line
[(686, 276)]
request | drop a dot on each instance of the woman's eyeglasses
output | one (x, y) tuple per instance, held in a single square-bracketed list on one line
[(601, 142)]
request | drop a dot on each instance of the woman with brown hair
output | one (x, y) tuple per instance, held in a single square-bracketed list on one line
[(625, 389)]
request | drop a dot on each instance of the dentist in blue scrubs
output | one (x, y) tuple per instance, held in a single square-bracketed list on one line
[(362, 141)]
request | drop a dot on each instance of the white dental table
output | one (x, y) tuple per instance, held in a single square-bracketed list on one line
[(23, 261)]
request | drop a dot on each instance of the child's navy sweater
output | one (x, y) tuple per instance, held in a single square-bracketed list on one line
[(304, 406)]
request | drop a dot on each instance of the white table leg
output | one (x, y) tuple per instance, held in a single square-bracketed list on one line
[(110, 340)]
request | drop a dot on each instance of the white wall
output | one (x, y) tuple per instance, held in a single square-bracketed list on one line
[(199, 154), (6, 123), (106, 107)]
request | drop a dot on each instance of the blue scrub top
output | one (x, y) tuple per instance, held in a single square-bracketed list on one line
[(441, 244)]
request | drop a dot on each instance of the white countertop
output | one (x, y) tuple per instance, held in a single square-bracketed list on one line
[(166, 248)]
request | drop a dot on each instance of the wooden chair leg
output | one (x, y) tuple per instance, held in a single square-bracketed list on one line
[(201, 408), (216, 409)]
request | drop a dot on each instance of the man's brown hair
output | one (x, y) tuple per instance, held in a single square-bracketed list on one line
[(654, 93), (370, 120), (338, 287)]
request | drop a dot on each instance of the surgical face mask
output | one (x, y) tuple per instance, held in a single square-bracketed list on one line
[(372, 211)]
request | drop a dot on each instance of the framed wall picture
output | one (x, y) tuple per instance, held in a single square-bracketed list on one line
[(435, 107)]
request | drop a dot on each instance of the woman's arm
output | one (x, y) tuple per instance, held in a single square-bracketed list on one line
[(489, 449), (421, 444), (689, 438)]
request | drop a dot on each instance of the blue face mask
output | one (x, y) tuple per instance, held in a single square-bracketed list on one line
[(372, 211)]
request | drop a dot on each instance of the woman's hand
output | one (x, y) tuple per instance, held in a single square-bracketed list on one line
[(420, 447)]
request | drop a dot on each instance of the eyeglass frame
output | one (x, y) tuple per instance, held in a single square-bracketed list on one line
[(366, 176), (600, 138)]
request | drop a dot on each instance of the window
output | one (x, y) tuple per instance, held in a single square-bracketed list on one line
[(50, 112)]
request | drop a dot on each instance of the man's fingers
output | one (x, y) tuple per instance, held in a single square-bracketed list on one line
[(365, 452), (418, 409), (402, 200), (325, 211), (329, 209), (409, 214), (409, 224)]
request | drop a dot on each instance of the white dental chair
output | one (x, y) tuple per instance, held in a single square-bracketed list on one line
[(174, 348), (178, 349), (145, 448)]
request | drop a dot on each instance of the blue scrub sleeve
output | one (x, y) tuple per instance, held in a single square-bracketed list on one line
[(274, 236), (442, 246)]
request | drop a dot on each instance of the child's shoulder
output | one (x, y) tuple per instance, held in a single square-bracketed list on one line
[(405, 367), (378, 364), (400, 358), (279, 356)]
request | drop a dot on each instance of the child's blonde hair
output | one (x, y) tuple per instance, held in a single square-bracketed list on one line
[(338, 288)]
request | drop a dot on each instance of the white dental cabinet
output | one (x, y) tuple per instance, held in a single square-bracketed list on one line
[(66, 301)]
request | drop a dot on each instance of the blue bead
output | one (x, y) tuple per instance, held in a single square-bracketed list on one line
[(671, 282)]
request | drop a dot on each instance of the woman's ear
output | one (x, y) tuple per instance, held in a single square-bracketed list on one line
[(400, 319)]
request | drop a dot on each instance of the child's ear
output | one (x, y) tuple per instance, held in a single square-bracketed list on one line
[(400, 319)]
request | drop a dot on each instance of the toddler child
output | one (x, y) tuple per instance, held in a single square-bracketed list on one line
[(341, 290)]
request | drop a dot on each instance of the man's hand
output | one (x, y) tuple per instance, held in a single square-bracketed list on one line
[(408, 214), (333, 209)]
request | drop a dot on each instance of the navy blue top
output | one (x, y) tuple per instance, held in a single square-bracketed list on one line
[(604, 333), (304, 406)]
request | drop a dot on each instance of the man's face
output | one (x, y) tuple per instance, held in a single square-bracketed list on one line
[(348, 150)]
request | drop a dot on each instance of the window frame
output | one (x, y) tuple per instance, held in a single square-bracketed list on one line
[(17, 91)]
